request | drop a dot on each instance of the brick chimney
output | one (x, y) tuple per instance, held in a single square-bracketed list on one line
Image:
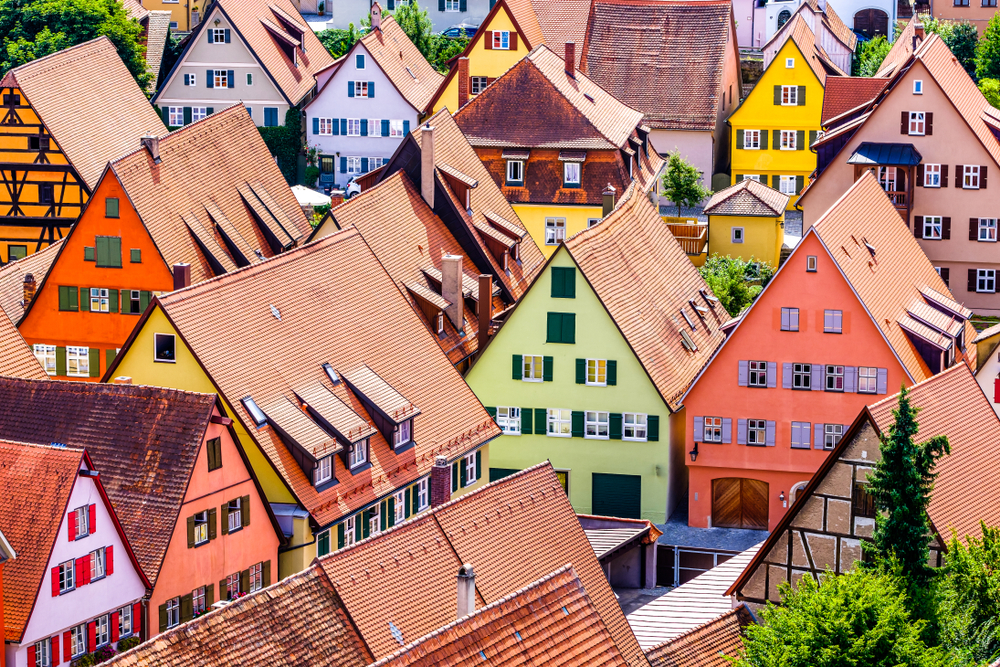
[(451, 289), (182, 276), (608, 203), (122, 379), (570, 59), (485, 309), (466, 590), (427, 165), (29, 290), (463, 81), (440, 482), (151, 143)]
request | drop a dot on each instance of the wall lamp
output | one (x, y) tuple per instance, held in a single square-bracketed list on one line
[(694, 453), (781, 497)]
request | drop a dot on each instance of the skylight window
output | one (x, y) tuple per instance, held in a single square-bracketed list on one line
[(687, 319), (711, 300), (330, 373), (255, 412), (411, 72), (590, 98), (688, 342), (276, 312)]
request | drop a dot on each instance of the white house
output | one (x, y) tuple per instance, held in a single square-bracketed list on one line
[(836, 23), (442, 13), (367, 102), (75, 586)]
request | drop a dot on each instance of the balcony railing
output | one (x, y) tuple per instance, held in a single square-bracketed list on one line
[(693, 236), (898, 199)]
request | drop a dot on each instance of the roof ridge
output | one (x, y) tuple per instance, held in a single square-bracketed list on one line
[(60, 52), (213, 116), (59, 447)]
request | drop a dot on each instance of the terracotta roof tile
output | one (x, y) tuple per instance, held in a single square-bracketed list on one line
[(748, 197), (831, 21), (562, 22), (143, 440), (706, 645), (901, 50), (676, 49), (890, 280), (135, 9), (551, 622), (298, 621), (336, 306), (217, 162), (92, 121), (37, 483), (645, 280), (407, 68), (486, 528), (16, 357), (157, 31), (12, 278), (524, 14), (844, 93)]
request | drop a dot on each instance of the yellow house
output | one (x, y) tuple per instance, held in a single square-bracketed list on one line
[(184, 14), (777, 122), (747, 220)]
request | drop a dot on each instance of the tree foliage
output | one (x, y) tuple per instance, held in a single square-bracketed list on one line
[(30, 29), (285, 143), (990, 88), (988, 51), (682, 183), (969, 594), (338, 42), (735, 282), (869, 56), (859, 619), (901, 486), (959, 36)]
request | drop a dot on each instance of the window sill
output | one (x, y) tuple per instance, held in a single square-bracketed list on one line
[(164, 361), (559, 435), (596, 384), (524, 379), (361, 468), (323, 486), (987, 240), (68, 590), (802, 447), (965, 188), (399, 449), (511, 433), (596, 437), (640, 440), (234, 530), (103, 576)]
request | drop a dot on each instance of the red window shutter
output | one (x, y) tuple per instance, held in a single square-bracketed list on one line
[(136, 618), (513, 41), (114, 626), (996, 390), (31, 655), (91, 635), (55, 650), (982, 177), (87, 564), (904, 122), (93, 519), (488, 39), (55, 582), (67, 645), (71, 523), (945, 228), (109, 560), (929, 126), (944, 176), (78, 566)]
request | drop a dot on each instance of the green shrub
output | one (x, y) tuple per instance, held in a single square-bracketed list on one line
[(128, 644)]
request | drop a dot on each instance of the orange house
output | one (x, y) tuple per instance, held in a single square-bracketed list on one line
[(194, 204), (855, 312)]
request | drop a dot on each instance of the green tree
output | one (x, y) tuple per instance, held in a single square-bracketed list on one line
[(859, 619), (988, 51), (990, 88), (682, 183), (735, 282), (960, 37), (969, 594), (285, 143), (30, 29), (901, 487), (869, 56), (339, 42)]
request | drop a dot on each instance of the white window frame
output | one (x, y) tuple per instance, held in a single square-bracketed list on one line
[(358, 456), (789, 63), (156, 339), (751, 177), (757, 374), (440, 323), (515, 171), (234, 515), (751, 140), (173, 612), (917, 126), (532, 367), (789, 96), (349, 528), (192, 79), (501, 40), (635, 426), (477, 84), (197, 600), (832, 434), (354, 128), (198, 113), (125, 621), (375, 162), (176, 116), (233, 586), (571, 173), (788, 140), (396, 128), (598, 370), (78, 636), (100, 301), (98, 564), (220, 78), (970, 177), (558, 423), (102, 630), (918, 87), (867, 379), (325, 127), (42, 657), (256, 577), (201, 528), (451, 5), (375, 519), (509, 420), (786, 184), (361, 89), (249, 78), (932, 175), (988, 230), (711, 429), (596, 425), (834, 378), (374, 127), (812, 263), (932, 227), (399, 507), (986, 281), (67, 576), (353, 165), (801, 376), (555, 230), (402, 433), (77, 361), (218, 35), (737, 234), (82, 521), (423, 494), (46, 355), (757, 432), (469, 461)]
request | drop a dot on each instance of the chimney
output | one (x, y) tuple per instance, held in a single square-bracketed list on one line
[(608, 204), (918, 33), (570, 59), (485, 309), (151, 143), (822, 5), (466, 590), (440, 482), (451, 289), (463, 81), (427, 165), (122, 379), (182, 276), (29, 290), (376, 17)]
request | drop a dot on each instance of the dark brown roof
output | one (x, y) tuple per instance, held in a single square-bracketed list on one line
[(707, 645), (844, 93), (16, 357), (665, 59), (143, 440)]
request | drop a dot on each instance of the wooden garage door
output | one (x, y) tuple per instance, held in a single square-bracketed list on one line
[(617, 495), (739, 503)]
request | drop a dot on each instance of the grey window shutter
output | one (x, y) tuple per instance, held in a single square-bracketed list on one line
[(727, 430), (785, 320), (744, 373), (800, 182), (739, 140), (786, 375), (800, 140), (763, 140), (741, 431), (772, 374), (883, 380), (851, 379), (818, 440), (775, 178), (775, 138), (817, 377), (796, 434), (806, 428), (209, 75), (802, 96), (770, 434), (777, 95), (739, 177), (699, 429)]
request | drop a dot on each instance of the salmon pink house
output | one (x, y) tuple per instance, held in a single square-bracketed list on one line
[(855, 312)]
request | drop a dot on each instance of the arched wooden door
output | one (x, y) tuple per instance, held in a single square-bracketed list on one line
[(739, 503), (871, 22)]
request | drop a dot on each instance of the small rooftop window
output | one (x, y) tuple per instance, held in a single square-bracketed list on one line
[(590, 98), (255, 412), (276, 312), (687, 319), (709, 298), (330, 373), (688, 342)]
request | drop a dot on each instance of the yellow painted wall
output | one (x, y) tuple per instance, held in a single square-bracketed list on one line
[(759, 112), (533, 217), (490, 63), (762, 237), (178, 10)]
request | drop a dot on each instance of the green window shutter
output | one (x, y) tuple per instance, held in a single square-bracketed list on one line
[(517, 367), (569, 327), (109, 358), (212, 533), (800, 140), (358, 520), (383, 516), (165, 112), (102, 250), (612, 374), (577, 424), (267, 570), (60, 361), (74, 302), (800, 181), (739, 177), (245, 581), (653, 428), (163, 618), (802, 96), (777, 95), (540, 421), (547, 363), (144, 298), (493, 412), (113, 294), (776, 181), (581, 371), (323, 543), (190, 532), (739, 140), (88, 254), (406, 503), (479, 464), (115, 251), (187, 608), (763, 140), (135, 255), (94, 355), (366, 523), (563, 282), (463, 479), (63, 297), (812, 137), (84, 299), (224, 511), (526, 421), (615, 428), (454, 477), (415, 507), (245, 510), (553, 328), (391, 514), (340, 535), (209, 595)]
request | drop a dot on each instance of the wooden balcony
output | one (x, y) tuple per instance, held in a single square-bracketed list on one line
[(692, 235)]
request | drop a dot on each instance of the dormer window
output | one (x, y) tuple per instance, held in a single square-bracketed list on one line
[(402, 434), (324, 471), (571, 174), (515, 172), (789, 63), (358, 456), (255, 412)]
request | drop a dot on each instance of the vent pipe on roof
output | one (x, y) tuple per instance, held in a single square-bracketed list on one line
[(451, 289), (122, 379), (427, 165), (440, 482), (29, 290), (182, 276), (570, 59), (466, 590), (151, 143), (485, 309), (608, 204), (463, 81)]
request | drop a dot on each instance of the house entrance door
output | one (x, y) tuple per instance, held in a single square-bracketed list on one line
[(739, 503)]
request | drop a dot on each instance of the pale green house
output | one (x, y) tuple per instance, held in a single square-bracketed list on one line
[(589, 368)]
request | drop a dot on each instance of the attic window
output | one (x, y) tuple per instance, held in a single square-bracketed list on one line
[(276, 312), (688, 342), (410, 71), (330, 373), (711, 300), (687, 319), (590, 98), (396, 633), (255, 412)]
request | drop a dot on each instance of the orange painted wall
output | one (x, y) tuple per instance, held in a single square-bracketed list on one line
[(185, 569), (46, 324), (759, 338)]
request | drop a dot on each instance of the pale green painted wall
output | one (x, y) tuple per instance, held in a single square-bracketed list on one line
[(596, 337)]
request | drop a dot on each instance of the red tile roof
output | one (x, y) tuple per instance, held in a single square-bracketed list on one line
[(748, 197), (407, 68), (12, 278), (551, 621), (37, 483), (649, 287), (844, 93), (486, 528), (673, 65), (16, 357), (561, 22), (144, 440), (707, 645), (901, 51), (93, 120)]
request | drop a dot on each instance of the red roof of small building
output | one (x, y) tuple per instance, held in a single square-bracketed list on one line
[(707, 645), (844, 93)]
